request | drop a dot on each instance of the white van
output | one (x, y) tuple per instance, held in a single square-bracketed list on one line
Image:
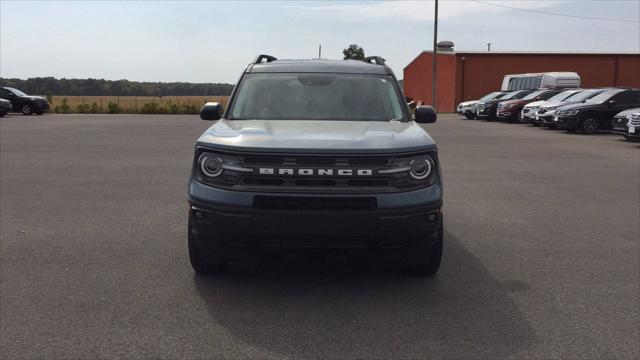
[(534, 81)]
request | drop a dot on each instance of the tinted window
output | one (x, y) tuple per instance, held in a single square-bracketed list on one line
[(547, 95), (626, 98), (533, 95), (489, 96), (4, 94), (317, 97), (16, 92), (521, 94), (584, 95), (603, 96)]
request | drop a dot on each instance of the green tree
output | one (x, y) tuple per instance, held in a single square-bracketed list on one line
[(354, 52)]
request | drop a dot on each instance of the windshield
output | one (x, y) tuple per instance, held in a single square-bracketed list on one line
[(316, 96), (16, 91), (511, 95), (533, 95), (584, 95), (602, 97), (563, 95), (490, 96)]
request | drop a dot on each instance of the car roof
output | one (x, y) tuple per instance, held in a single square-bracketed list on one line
[(319, 66)]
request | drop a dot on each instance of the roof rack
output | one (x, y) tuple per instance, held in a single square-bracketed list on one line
[(378, 60), (259, 59)]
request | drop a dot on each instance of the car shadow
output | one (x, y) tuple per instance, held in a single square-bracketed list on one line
[(359, 309)]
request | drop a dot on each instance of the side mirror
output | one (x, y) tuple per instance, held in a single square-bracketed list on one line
[(425, 115), (211, 111)]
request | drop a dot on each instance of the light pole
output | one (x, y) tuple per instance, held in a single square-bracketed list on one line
[(435, 55), (488, 46)]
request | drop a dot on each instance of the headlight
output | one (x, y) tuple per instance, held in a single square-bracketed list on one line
[(571, 112), (422, 168), (210, 165), (414, 170), (218, 168)]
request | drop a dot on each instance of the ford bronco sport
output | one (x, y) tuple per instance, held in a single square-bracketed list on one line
[(316, 155)]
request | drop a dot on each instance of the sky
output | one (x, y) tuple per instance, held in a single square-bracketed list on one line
[(213, 41)]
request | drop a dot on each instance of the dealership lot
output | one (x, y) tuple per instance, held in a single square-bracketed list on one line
[(541, 253)]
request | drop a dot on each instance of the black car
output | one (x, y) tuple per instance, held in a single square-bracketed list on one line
[(627, 124), (596, 113), (488, 109), (27, 104), (316, 155), (5, 107)]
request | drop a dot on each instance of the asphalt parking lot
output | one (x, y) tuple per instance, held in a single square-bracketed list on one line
[(541, 259)]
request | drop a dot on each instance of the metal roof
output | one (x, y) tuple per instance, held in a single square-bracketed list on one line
[(462, 53)]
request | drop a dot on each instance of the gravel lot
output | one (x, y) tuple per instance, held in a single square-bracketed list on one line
[(542, 254)]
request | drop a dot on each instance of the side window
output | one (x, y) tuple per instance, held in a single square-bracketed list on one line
[(4, 93), (625, 98)]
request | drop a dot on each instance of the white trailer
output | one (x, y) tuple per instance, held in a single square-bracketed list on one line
[(534, 81)]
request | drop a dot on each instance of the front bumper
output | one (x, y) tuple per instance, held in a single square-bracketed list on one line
[(231, 223), (624, 131), (507, 114), (485, 113), (568, 122)]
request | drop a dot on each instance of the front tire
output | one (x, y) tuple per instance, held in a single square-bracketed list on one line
[(425, 261), (469, 115), (27, 109), (590, 124), (199, 261)]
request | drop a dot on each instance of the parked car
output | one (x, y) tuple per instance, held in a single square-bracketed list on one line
[(510, 110), (596, 113), (627, 124), (5, 107), (487, 109), (528, 113), (21, 102), (545, 114), (468, 108), (331, 159)]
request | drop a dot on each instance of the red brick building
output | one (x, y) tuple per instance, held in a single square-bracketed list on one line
[(464, 76)]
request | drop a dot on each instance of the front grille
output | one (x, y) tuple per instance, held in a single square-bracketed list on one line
[(295, 203), (317, 181), (635, 120)]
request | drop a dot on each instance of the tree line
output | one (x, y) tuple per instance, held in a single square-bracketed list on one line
[(102, 87)]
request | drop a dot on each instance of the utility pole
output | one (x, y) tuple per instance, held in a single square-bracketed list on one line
[(488, 46), (435, 55), (320, 51)]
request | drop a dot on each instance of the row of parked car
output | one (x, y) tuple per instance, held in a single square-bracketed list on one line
[(576, 110), (14, 100)]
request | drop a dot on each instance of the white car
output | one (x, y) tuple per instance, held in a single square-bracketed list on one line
[(528, 114), (468, 108)]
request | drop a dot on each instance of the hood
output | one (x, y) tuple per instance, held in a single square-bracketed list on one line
[(32, 97), (584, 105), (468, 103), (536, 104), (628, 112), (548, 104), (512, 102), (317, 136)]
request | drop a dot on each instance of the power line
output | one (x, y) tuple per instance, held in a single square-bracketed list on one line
[(557, 14)]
